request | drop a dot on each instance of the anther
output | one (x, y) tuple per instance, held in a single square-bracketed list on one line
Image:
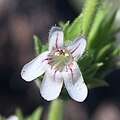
[(54, 67), (66, 54), (63, 50), (57, 53)]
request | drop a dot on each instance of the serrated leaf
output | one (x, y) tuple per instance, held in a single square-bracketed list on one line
[(75, 28), (37, 45)]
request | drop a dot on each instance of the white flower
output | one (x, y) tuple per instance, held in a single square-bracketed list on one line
[(59, 65), (12, 117)]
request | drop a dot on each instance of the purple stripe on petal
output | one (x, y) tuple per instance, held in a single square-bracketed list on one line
[(50, 62), (47, 59), (55, 74), (57, 41), (75, 48), (71, 71)]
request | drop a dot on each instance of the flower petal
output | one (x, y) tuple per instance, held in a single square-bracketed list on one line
[(74, 83), (55, 38), (77, 47), (12, 117), (51, 85), (35, 68)]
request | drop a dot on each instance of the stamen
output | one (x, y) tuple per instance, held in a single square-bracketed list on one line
[(54, 67), (66, 54), (57, 53), (60, 59)]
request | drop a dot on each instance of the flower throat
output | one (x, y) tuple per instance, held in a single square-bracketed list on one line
[(59, 59)]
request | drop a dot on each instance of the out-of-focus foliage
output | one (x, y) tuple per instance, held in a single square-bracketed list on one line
[(36, 115)]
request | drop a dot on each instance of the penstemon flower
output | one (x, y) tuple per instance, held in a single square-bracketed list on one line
[(59, 65)]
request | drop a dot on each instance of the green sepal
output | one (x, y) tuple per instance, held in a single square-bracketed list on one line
[(37, 45), (65, 30)]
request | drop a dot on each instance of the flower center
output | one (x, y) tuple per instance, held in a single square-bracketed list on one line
[(59, 59)]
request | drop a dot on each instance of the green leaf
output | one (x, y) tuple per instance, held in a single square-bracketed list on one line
[(38, 81), (96, 83), (65, 29), (75, 28), (44, 48), (36, 115), (86, 61), (2, 118), (37, 45), (95, 28), (91, 70), (116, 51), (89, 13), (108, 21), (56, 110), (103, 34), (19, 114), (61, 24), (104, 52)]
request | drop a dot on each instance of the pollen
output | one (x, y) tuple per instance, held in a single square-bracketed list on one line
[(54, 67), (63, 51), (57, 53), (71, 65), (60, 58), (66, 54)]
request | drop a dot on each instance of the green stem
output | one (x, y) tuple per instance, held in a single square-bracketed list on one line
[(89, 13), (37, 45), (56, 110)]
